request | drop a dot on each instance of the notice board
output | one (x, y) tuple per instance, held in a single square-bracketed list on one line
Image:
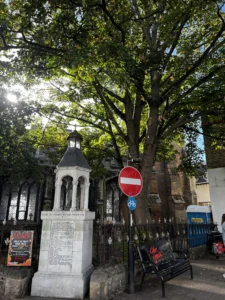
[(20, 249)]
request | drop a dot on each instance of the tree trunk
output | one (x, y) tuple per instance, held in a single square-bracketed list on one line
[(142, 213)]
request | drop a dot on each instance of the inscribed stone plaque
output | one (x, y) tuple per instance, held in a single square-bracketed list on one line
[(61, 243)]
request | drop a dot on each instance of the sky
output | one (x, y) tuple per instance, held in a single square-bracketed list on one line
[(200, 143), (12, 97)]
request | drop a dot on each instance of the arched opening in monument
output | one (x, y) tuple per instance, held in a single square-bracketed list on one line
[(80, 193), (66, 193)]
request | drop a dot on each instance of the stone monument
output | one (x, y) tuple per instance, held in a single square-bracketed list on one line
[(65, 262)]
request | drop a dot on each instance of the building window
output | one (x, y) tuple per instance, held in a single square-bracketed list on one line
[(13, 202), (154, 198), (112, 202), (178, 199), (18, 202)]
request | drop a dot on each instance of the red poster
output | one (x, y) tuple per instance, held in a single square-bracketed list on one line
[(20, 249)]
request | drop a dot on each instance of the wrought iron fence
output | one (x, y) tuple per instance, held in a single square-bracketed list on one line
[(5, 231), (110, 240)]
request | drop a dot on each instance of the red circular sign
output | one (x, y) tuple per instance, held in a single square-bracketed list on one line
[(130, 181)]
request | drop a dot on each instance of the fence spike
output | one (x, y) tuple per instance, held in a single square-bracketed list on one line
[(135, 237), (150, 236)]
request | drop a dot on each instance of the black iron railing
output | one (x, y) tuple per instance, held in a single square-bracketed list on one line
[(110, 240)]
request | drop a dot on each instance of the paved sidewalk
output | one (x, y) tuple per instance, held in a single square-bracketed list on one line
[(208, 284)]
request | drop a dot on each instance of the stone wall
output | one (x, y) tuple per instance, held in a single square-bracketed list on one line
[(175, 192), (15, 282), (107, 282)]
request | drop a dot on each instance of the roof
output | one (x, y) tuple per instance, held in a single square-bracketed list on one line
[(73, 157)]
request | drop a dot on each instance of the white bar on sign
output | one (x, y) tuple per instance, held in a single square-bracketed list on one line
[(133, 181)]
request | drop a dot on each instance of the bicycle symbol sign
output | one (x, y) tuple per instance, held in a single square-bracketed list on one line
[(131, 203)]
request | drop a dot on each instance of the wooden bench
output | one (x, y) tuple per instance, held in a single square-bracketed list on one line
[(159, 258)]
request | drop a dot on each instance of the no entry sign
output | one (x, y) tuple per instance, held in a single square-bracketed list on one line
[(130, 181)]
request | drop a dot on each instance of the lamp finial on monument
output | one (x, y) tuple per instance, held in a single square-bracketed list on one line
[(74, 140)]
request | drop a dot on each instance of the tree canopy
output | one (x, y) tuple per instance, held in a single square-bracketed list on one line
[(140, 71), (17, 161)]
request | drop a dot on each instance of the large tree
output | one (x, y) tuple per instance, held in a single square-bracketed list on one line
[(139, 71), (17, 159)]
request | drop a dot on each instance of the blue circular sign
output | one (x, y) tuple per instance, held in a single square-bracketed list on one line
[(131, 203)]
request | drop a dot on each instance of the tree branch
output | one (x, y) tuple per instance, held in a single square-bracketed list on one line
[(191, 116), (107, 108), (109, 101), (111, 93), (64, 114), (177, 37), (196, 64), (117, 26), (202, 80), (40, 45), (204, 134)]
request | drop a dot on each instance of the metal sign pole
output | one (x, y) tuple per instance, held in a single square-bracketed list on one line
[(130, 183), (130, 258)]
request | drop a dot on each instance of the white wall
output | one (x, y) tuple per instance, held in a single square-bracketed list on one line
[(203, 195), (217, 193)]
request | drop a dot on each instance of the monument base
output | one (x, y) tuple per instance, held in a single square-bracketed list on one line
[(61, 285), (65, 260)]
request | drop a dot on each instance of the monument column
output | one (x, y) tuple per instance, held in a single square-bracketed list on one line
[(58, 186), (86, 194), (82, 196), (74, 196)]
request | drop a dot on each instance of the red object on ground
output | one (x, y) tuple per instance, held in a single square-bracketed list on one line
[(218, 248)]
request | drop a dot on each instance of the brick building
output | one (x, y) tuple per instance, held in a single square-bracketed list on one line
[(170, 192)]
